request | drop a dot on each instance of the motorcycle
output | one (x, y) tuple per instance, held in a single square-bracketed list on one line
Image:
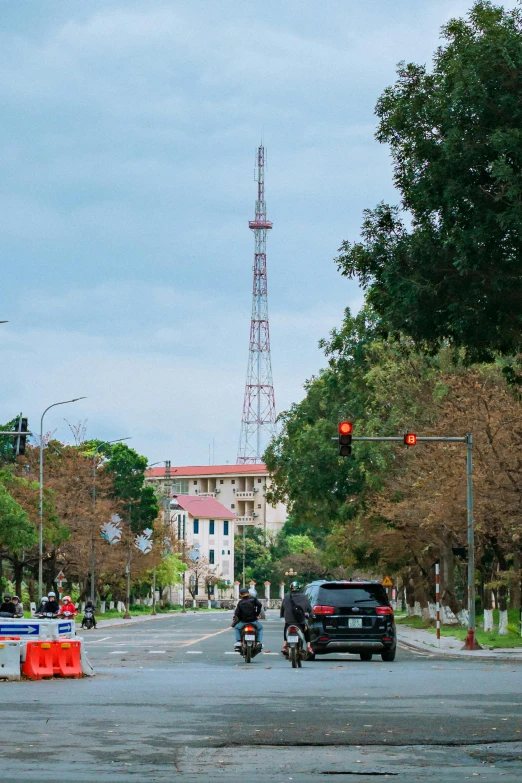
[(88, 619), (249, 643), (296, 646)]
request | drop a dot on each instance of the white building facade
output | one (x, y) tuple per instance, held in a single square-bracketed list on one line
[(240, 488)]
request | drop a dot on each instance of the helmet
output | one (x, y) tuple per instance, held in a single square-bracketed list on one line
[(7, 596), (243, 591), (15, 598), (67, 598), (295, 587), (51, 594)]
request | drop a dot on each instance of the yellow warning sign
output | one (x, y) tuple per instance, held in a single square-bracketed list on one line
[(387, 582)]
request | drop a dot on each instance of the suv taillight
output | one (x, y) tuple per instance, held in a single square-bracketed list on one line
[(384, 610), (323, 609)]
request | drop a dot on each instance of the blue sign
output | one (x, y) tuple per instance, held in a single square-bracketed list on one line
[(65, 627), (18, 630)]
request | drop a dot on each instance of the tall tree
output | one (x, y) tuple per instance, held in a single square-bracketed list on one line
[(446, 265)]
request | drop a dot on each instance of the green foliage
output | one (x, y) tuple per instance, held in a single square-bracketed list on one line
[(127, 469), (299, 544), (7, 452), (169, 571), (16, 530), (446, 266)]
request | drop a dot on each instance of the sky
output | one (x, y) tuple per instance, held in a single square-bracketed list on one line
[(128, 138)]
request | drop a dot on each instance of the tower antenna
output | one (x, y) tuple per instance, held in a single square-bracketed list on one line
[(258, 424)]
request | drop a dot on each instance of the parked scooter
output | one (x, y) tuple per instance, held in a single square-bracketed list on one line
[(296, 646), (249, 644)]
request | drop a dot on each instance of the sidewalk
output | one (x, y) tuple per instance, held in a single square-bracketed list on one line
[(417, 639)]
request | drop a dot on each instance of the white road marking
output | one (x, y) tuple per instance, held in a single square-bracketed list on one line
[(233, 652), (118, 652), (270, 653), (97, 641), (157, 652), (194, 652)]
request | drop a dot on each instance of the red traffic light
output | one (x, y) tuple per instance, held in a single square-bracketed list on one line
[(345, 428), (410, 439)]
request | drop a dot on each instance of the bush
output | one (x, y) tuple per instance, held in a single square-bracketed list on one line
[(139, 608)]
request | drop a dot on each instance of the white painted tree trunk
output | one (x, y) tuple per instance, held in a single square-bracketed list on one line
[(425, 613), (463, 618), (417, 611), (433, 611), (502, 623), (488, 619), (411, 611)]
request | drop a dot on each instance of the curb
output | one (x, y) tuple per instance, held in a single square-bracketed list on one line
[(428, 649)]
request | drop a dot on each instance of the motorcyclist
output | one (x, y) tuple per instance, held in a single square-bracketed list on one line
[(296, 608), (247, 611), (51, 606), (89, 610), (19, 609), (68, 607), (7, 606)]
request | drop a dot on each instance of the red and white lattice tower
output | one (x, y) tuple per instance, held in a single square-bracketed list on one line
[(259, 416)]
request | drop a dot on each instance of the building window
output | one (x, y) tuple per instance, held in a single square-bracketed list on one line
[(229, 551), (221, 481), (232, 505), (259, 505), (211, 556), (196, 483), (225, 528), (259, 481), (211, 526), (233, 481), (222, 551), (196, 527)]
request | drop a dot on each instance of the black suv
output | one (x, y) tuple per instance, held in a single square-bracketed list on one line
[(352, 617)]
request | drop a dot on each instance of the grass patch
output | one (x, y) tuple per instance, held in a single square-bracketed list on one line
[(489, 639)]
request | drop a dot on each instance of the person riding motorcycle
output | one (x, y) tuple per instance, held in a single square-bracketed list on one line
[(19, 609), (89, 614), (68, 607), (247, 612), (7, 606), (296, 608), (51, 605)]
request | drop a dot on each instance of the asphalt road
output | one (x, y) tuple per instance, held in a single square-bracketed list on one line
[(171, 701)]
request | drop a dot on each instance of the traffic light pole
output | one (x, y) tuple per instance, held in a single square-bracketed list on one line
[(468, 440)]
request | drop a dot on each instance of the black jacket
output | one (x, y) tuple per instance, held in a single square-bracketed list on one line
[(248, 610), (8, 607), (300, 599)]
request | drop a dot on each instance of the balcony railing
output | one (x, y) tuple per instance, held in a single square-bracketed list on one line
[(244, 520), (244, 495)]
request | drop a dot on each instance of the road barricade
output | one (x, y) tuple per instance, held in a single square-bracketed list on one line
[(38, 661), (9, 659), (67, 658)]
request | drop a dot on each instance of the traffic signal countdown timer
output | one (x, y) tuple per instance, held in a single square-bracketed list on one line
[(410, 439), (345, 438)]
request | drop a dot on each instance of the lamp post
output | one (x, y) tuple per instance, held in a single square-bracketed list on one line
[(103, 443), (291, 573), (40, 546)]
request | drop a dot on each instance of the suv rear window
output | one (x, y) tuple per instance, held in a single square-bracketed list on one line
[(352, 595)]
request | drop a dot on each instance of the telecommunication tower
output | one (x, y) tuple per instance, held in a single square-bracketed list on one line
[(258, 424)]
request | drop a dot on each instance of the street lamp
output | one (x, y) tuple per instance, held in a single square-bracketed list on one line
[(98, 447), (290, 572), (40, 547)]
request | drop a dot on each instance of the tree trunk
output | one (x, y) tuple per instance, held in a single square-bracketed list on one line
[(18, 571), (515, 594), (488, 609), (448, 595)]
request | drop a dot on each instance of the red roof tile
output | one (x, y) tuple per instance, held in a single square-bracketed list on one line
[(210, 470), (205, 508)]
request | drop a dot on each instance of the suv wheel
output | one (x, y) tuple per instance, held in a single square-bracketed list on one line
[(388, 655), (366, 656)]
